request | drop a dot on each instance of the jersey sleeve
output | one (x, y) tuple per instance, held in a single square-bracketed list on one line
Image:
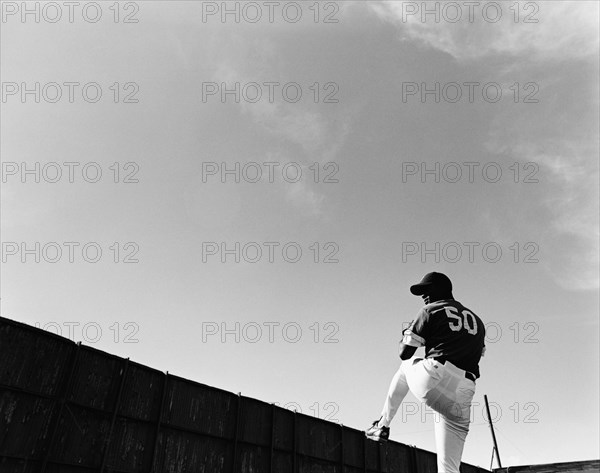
[(415, 335)]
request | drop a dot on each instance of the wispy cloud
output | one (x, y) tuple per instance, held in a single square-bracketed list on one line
[(568, 172), (561, 29), (303, 197), (306, 133), (559, 134)]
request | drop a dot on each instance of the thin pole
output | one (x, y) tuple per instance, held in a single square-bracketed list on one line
[(487, 408)]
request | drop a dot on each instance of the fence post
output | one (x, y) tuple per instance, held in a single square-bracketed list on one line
[(159, 419), (66, 390), (114, 414)]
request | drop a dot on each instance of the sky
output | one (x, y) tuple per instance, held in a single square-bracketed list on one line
[(244, 197)]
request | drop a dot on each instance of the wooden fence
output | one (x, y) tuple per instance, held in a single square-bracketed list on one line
[(69, 408)]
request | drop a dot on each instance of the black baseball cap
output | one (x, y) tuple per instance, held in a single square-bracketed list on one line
[(437, 281)]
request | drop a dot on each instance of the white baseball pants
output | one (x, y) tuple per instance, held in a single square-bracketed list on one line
[(444, 388)]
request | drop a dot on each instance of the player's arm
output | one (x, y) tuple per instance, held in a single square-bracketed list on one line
[(406, 351), (412, 337)]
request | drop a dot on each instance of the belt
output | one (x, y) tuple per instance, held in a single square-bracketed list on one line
[(468, 374)]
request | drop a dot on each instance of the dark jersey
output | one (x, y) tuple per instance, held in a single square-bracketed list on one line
[(450, 332)]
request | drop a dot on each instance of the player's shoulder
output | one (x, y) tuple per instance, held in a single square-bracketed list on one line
[(462, 307), (431, 310), (438, 305)]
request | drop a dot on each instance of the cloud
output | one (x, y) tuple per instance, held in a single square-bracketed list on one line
[(300, 132), (306, 132), (568, 172), (303, 197), (561, 29), (559, 134)]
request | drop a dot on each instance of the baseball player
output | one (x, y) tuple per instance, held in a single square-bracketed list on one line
[(453, 337)]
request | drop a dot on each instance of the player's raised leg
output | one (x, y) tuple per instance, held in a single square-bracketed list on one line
[(380, 430)]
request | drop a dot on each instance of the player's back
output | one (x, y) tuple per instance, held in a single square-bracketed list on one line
[(455, 334)]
